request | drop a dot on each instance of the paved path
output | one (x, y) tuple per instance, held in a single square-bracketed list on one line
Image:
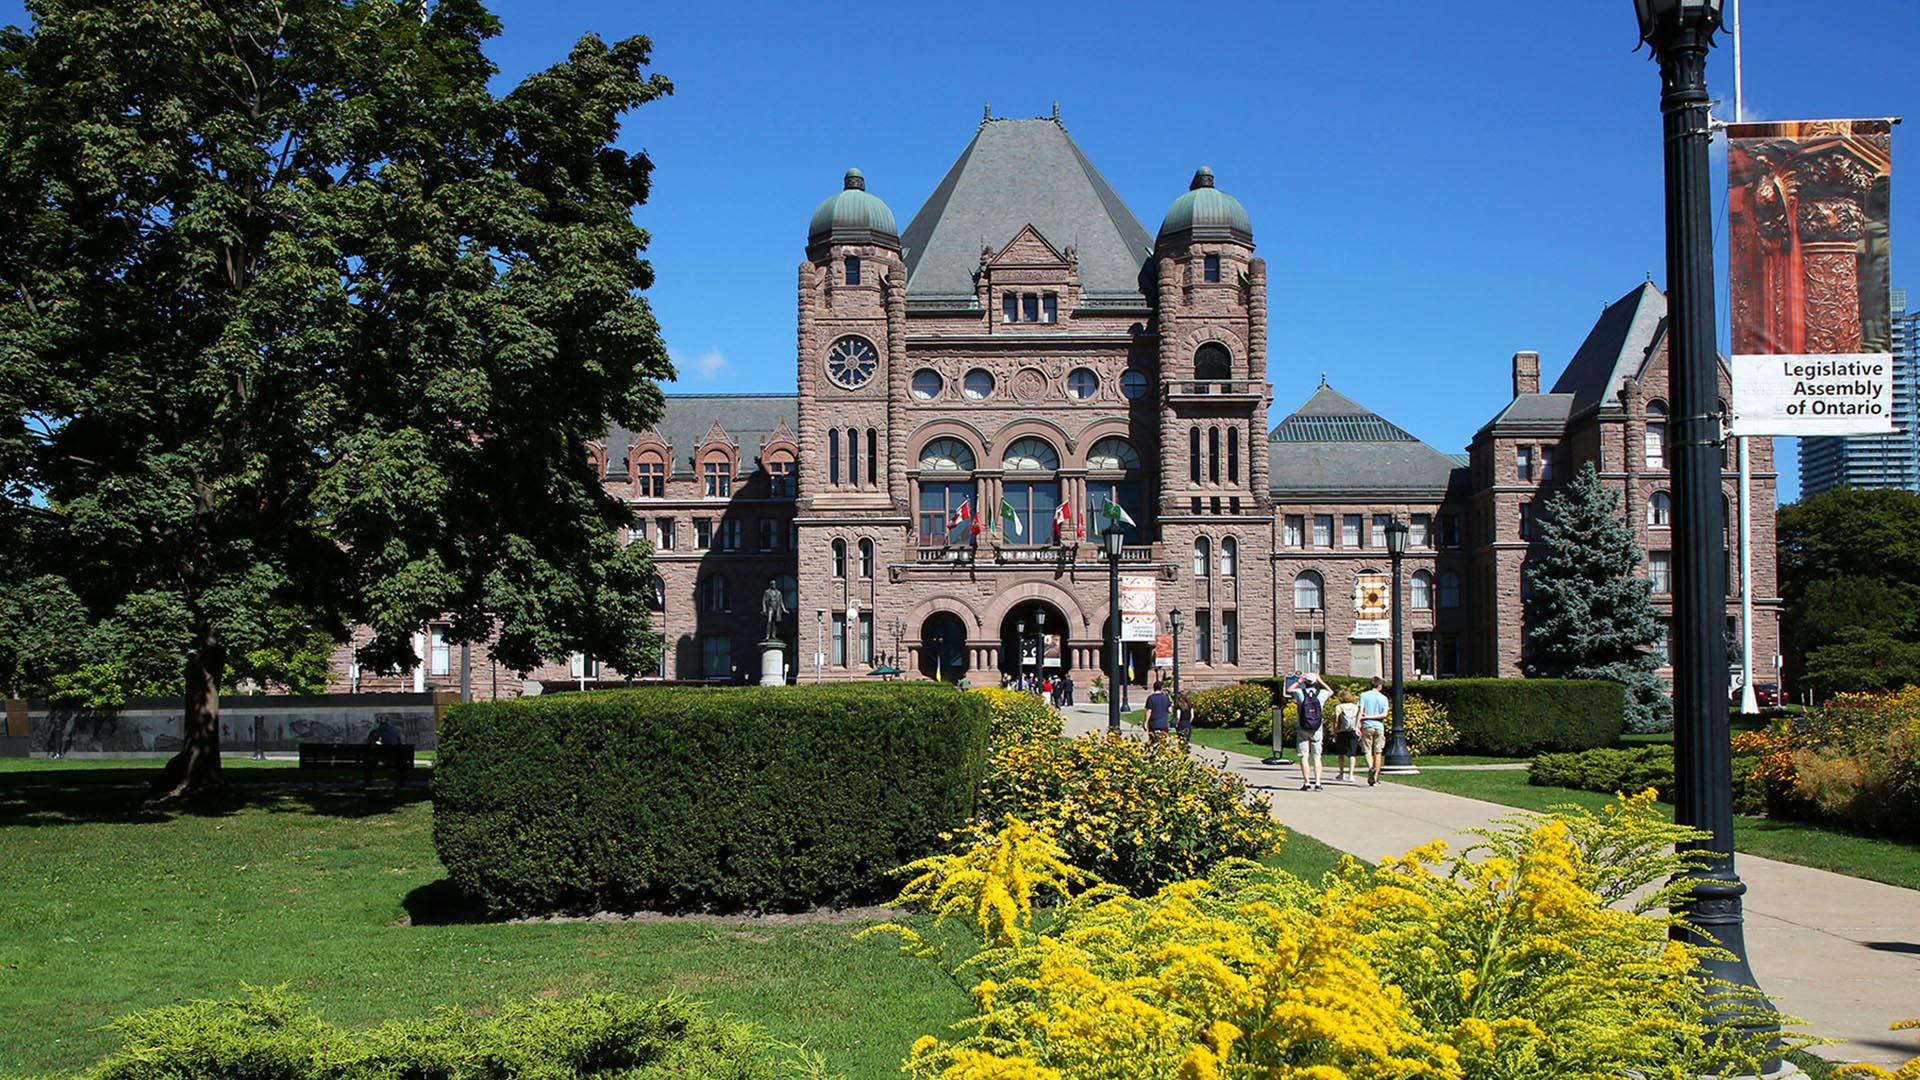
[(1841, 953)]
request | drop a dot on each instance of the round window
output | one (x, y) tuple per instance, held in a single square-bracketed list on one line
[(851, 362), (978, 384), (1081, 383), (1134, 385), (926, 384)]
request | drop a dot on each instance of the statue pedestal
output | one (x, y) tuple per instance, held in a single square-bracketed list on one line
[(773, 662)]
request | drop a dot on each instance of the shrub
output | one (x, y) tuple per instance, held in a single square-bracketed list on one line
[(1139, 814), (686, 798), (1610, 771), (268, 1036), (1429, 729), (1260, 728), (1526, 716), (1230, 706), (1528, 956), (1015, 717), (1855, 761)]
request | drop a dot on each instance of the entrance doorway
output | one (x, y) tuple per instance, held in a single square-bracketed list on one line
[(1033, 640), (943, 647)]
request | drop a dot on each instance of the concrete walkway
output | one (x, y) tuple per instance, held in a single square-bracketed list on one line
[(1841, 953)]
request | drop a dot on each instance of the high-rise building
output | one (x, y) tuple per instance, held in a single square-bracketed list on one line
[(1876, 461)]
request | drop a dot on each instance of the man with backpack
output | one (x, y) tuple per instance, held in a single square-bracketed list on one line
[(1310, 693)]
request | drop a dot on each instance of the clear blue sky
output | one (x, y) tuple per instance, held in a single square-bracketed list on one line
[(1434, 186)]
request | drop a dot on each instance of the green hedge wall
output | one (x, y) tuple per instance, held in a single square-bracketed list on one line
[(1514, 716), (679, 798)]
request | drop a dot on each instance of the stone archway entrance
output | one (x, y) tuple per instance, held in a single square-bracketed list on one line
[(1033, 640), (943, 647)]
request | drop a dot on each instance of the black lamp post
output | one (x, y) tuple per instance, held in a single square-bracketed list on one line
[(1020, 648), (1397, 758), (1173, 620), (1113, 539), (1679, 32), (1040, 643)]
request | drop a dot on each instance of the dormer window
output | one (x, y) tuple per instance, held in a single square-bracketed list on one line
[(853, 269), (1010, 308), (1210, 268), (1049, 308), (1030, 307), (718, 475)]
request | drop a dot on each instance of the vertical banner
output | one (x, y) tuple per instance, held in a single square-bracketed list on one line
[(1372, 608), (1137, 609), (1807, 253)]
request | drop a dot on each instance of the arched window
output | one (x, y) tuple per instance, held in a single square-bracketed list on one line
[(853, 456), (839, 558), (1660, 510), (1656, 456), (657, 594), (1212, 363), (1202, 557), (1449, 589), (1113, 452), (1233, 455), (1109, 456), (941, 493), (866, 558), (1193, 454), (1421, 594), (715, 593), (833, 456), (1213, 455), (1031, 455), (1229, 557), (946, 454), (873, 456), (1308, 591)]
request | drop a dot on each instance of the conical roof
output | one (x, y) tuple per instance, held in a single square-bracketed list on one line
[(1012, 174), (852, 216)]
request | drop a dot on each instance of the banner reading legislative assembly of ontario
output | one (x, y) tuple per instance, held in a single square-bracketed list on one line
[(1807, 266)]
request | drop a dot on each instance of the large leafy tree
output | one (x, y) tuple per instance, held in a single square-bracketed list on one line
[(1589, 614), (1850, 582), (301, 326)]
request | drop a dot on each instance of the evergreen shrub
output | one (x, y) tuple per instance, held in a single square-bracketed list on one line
[(1610, 771), (268, 1035), (1235, 706), (687, 798), (1521, 717)]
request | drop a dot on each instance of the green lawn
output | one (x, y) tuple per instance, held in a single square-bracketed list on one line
[(112, 906), (1788, 841)]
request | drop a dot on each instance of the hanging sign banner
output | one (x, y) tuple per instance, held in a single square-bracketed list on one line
[(1370, 598), (1807, 251), (1137, 621)]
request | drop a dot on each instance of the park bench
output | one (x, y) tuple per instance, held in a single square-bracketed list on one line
[(363, 756)]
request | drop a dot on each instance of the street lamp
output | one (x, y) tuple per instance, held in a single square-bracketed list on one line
[(1020, 648), (1113, 539), (1398, 758), (1040, 644), (1679, 33), (819, 641), (1173, 620)]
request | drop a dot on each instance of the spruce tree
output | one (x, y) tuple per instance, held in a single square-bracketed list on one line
[(1589, 615)]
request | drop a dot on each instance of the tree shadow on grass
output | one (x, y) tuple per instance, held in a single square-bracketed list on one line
[(441, 903), (122, 795)]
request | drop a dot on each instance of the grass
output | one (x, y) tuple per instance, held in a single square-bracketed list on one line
[(1796, 842), (115, 906)]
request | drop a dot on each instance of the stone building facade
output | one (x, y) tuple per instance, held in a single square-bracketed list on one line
[(973, 391)]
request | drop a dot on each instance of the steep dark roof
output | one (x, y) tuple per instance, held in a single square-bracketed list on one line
[(1333, 444), (747, 418), (1015, 173), (1615, 348), (1533, 410)]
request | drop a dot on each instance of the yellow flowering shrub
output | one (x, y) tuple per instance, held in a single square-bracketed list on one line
[(1909, 1071), (1018, 717), (1428, 728), (1855, 760), (1132, 813), (1511, 960)]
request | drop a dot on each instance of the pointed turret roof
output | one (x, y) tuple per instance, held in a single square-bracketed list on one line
[(1615, 348), (1015, 173)]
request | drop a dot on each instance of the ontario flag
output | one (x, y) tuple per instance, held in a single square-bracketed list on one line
[(1062, 522)]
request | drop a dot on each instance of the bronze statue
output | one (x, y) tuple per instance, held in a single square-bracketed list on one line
[(773, 607)]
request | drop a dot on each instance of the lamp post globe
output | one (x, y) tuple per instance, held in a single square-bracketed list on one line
[(1680, 33), (1397, 759), (1113, 540)]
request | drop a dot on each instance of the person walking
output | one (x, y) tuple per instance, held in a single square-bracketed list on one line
[(1346, 734), (1374, 708), (1311, 694), (1158, 706), (1183, 720)]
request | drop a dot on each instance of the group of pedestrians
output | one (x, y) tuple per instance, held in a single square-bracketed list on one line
[(1359, 728), (1166, 713), (1057, 689)]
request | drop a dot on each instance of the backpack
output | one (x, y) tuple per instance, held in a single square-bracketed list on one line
[(1309, 711)]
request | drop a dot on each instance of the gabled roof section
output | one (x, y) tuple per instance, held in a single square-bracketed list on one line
[(750, 419), (1332, 444), (1014, 173), (1534, 411), (1615, 348)]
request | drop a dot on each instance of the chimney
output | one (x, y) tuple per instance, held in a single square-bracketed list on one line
[(1526, 373)]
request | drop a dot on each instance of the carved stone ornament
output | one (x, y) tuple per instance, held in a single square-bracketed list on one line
[(1030, 384)]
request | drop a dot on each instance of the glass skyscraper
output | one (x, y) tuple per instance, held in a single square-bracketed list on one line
[(1876, 461)]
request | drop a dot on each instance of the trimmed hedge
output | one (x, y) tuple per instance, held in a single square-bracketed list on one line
[(1513, 716), (735, 798), (1609, 771)]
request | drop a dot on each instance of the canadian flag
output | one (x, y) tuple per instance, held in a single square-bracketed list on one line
[(963, 512), (1062, 520)]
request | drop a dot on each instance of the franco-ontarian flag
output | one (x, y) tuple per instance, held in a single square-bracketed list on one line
[(1010, 519), (1113, 512)]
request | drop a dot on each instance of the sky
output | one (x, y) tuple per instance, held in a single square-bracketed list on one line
[(1434, 186)]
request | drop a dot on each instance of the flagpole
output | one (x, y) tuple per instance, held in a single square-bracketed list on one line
[(1749, 703)]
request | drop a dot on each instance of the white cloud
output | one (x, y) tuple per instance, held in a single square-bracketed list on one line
[(705, 366)]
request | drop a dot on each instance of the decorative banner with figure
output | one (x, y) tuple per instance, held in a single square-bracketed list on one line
[(1807, 247), (1137, 621)]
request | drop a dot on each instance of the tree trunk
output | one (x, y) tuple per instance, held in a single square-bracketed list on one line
[(195, 770)]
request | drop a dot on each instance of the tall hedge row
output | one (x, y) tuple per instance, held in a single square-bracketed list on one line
[(683, 798), (1514, 716)]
